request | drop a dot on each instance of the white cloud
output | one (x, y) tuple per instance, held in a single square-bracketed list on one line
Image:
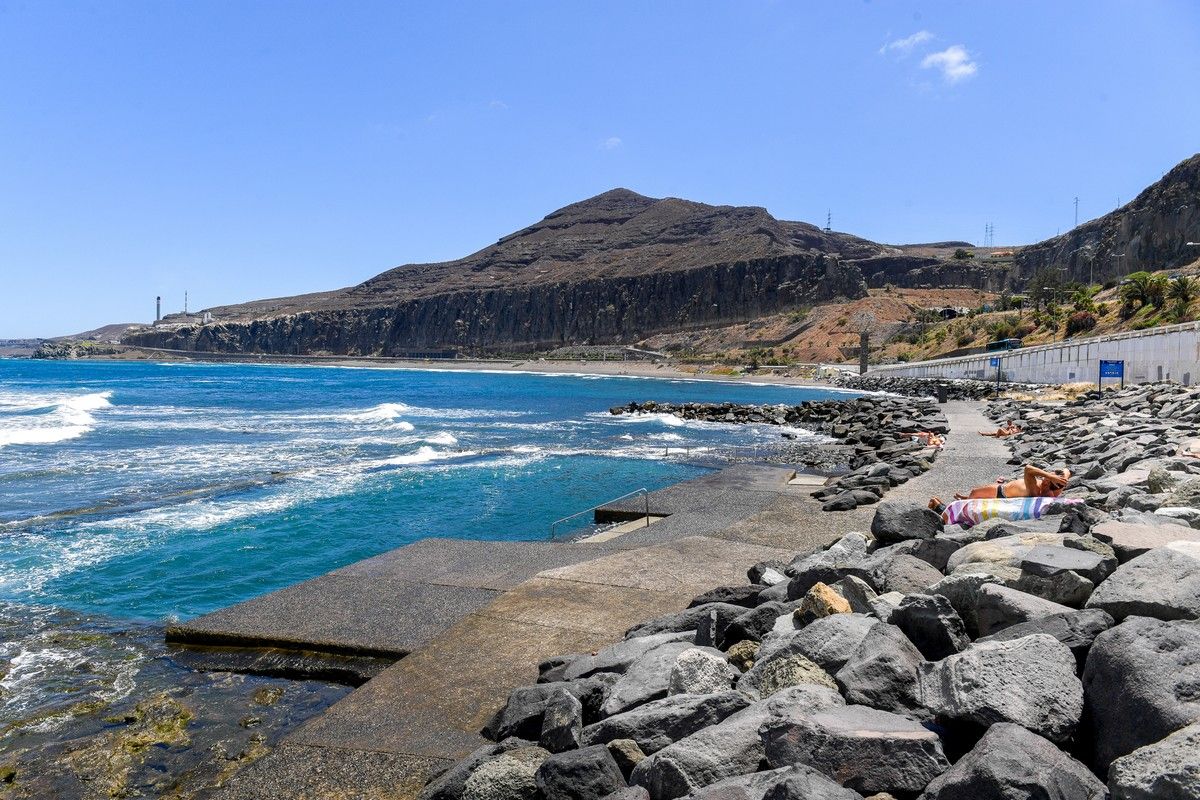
[(954, 62), (905, 46), (498, 104), (611, 143)]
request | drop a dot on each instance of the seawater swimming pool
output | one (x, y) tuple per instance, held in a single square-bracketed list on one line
[(162, 491)]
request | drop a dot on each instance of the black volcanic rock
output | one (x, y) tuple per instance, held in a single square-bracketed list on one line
[(611, 269)]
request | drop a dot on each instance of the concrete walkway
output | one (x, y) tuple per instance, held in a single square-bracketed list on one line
[(967, 460)]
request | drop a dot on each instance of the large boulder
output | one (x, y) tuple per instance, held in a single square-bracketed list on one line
[(618, 657), (801, 782), (766, 678), (865, 749), (660, 722), (449, 785), (587, 774), (562, 722), (699, 670), (1163, 583), (757, 622), (745, 595), (962, 590), (828, 641), (826, 566), (511, 776), (731, 747), (646, 679), (897, 572), (687, 620), (818, 602), (897, 520), (931, 623), (1004, 551), (1166, 770), (790, 783), (523, 714), (1011, 763), (1141, 683), (935, 552), (1076, 629), (998, 607), (1048, 561), (882, 672), (1132, 539), (1030, 681)]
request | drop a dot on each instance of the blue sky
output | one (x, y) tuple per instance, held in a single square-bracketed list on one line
[(252, 149)]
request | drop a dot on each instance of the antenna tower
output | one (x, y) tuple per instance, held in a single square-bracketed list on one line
[(829, 221)]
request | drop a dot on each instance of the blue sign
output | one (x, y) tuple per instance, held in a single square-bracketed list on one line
[(1112, 369), (994, 362)]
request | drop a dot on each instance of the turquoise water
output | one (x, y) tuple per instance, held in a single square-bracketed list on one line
[(162, 491)]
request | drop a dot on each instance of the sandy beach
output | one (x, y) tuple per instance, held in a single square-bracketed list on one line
[(629, 369)]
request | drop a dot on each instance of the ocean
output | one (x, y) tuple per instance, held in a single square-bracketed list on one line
[(133, 494), (156, 492)]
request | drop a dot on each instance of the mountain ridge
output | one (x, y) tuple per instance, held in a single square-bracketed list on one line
[(621, 266)]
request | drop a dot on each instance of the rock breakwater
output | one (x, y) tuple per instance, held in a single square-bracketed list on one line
[(879, 449), (927, 387), (1050, 659)]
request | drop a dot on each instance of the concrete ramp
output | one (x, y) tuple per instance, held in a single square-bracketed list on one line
[(426, 711)]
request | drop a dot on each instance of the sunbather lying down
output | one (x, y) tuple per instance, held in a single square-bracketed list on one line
[(928, 439), (1007, 429), (1034, 482)]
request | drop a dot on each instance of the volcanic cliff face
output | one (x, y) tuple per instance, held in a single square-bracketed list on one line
[(1150, 233), (611, 269)]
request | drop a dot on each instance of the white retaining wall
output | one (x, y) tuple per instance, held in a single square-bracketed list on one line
[(1170, 353)]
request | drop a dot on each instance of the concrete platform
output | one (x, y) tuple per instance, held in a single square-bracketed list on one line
[(426, 711), (475, 618), (386, 606)]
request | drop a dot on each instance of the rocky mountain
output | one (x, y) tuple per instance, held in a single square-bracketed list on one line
[(620, 268), (1149, 233), (612, 269)]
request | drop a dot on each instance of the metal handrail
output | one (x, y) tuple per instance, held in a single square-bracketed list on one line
[(645, 493)]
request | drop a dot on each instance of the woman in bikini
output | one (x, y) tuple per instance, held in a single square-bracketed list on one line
[(1034, 482), (1007, 429)]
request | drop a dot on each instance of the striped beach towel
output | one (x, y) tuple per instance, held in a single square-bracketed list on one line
[(980, 509)]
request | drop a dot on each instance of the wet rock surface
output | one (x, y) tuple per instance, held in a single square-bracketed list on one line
[(98, 707)]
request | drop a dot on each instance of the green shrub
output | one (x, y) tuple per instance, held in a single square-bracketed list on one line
[(1080, 322)]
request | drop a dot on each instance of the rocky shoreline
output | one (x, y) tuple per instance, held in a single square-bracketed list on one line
[(98, 707), (1050, 659), (873, 435), (927, 387)]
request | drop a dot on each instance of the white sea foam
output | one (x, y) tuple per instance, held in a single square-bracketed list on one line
[(45, 419), (384, 412), (424, 455), (443, 438)]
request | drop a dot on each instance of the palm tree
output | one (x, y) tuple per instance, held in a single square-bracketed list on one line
[(1183, 290), (1156, 290), (1136, 291)]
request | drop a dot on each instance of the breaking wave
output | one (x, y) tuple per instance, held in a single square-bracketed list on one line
[(44, 419)]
